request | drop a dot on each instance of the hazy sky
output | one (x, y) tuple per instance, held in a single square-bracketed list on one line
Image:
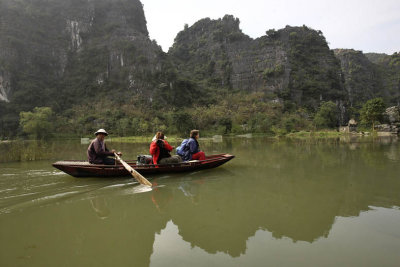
[(367, 25)]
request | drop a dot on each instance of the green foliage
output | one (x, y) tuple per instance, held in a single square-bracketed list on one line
[(353, 113), (39, 123), (178, 93), (274, 72), (25, 151), (183, 122), (226, 123), (235, 36), (140, 126), (292, 122), (123, 126), (314, 69), (327, 115), (395, 60), (272, 33), (372, 111), (361, 77), (130, 87)]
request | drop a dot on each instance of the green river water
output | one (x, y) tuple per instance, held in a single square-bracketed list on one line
[(277, 203)]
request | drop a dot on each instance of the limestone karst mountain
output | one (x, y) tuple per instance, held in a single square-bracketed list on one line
[(81, 54)]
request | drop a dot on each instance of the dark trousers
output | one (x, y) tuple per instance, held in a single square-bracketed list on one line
[(109, 161)]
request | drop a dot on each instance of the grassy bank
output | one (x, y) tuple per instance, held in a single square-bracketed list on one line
[(315, 134), (139, 139), (208, 137), (326, 134)]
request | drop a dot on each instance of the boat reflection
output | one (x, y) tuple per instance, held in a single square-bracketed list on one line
[(293, 191)]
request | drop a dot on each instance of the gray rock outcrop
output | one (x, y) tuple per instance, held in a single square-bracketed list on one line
[(392, 114), (294, 63), (65, 49)]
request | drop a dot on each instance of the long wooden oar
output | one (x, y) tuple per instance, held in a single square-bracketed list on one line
[(134, 173)]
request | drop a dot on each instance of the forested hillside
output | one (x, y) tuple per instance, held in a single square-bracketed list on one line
[(294, 64), (90, 64), (370, 75)]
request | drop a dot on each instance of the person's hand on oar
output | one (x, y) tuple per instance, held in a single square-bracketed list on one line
[(118, 153), (134, 173)]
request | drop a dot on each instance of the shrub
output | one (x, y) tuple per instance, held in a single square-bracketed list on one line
[(372, 111), (37, 124), (327, 115)]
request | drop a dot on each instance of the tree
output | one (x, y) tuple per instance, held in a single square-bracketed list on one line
[(183, 122), (372, 111), (327, 115), (123, 125), (39, 123), (226, 122)]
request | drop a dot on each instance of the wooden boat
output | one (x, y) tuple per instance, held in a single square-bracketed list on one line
[(85, 169)]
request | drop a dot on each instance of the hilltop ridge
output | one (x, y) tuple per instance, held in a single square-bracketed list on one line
[(96, 57)]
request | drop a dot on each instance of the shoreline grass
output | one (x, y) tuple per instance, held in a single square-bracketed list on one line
[(29, 150), (321, 134), (316, 134)]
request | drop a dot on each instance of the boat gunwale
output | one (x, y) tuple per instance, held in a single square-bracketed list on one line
[(209, 159)]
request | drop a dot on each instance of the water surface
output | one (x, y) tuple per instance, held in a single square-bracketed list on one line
[(276, 204)]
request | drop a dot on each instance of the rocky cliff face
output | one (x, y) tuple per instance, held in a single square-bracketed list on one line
[(361, 76), (4, 86), (75, 54), (370, 75), (218, 54), (72, 48), (389, 67)]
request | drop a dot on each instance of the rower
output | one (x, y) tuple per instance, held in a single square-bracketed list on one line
[(97, 151)]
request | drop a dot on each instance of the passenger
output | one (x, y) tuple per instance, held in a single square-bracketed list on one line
[(160, 150), (97, 151), (192, 148)]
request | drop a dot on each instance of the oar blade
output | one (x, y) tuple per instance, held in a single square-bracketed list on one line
[(133, 172)]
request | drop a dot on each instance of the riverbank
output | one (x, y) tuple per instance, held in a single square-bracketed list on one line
[(317, 134), (322, 134), (34, 150)]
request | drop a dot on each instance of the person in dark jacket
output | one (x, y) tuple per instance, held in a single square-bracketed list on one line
[(160, 150), (97, 151), (192, 148)]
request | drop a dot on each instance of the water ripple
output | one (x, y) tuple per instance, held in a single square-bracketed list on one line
[(56, 196)]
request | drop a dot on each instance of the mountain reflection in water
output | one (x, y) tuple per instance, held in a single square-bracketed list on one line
[(291, 190)]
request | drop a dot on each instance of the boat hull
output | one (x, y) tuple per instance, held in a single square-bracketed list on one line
[(85, 169)]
